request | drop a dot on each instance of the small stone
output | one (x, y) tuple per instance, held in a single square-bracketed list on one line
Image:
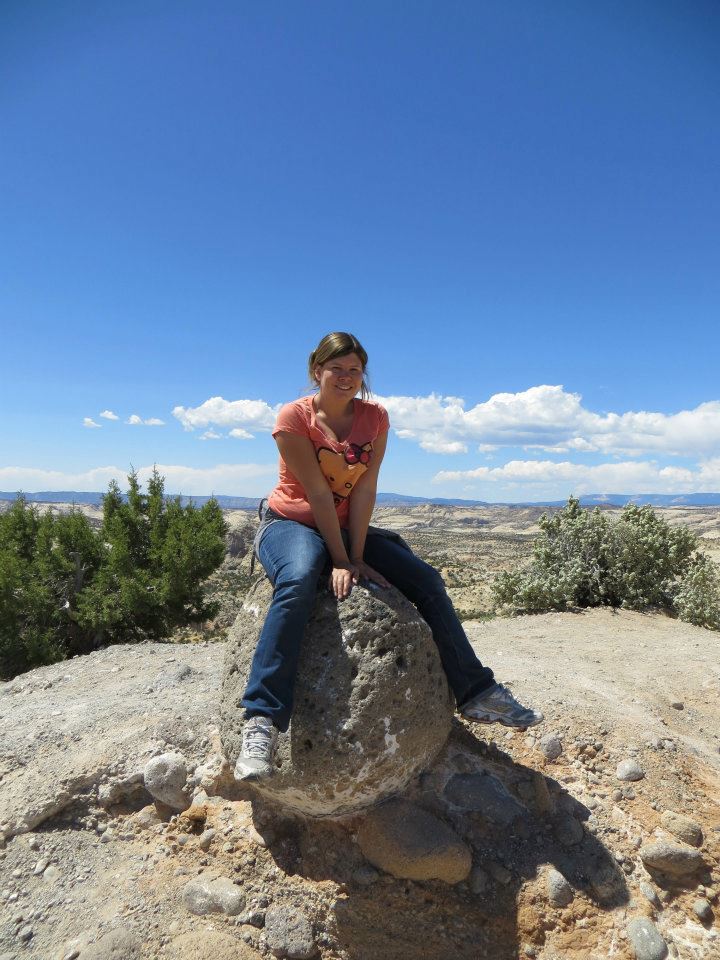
[(671, 858), (40, 866), (25, 934), (206, 839), (34, 843), (550, 747), (677, 705), (499, 872), (569, 831), (617, 795), (254, 918), (645, 939), (289, 933), (559, 891), (484, 794), (648, 891), (71, 954), (703, 910), (52, 873), (165, 778), (629, 770), (213, 895), (682, 827), (479, 880), (365, 875)]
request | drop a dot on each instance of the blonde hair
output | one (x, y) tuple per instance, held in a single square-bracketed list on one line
[(335, 345)]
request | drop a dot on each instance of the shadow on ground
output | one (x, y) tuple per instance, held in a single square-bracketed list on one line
[(517, 823)]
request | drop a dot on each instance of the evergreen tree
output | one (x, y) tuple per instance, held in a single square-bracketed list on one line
[(66, 588)]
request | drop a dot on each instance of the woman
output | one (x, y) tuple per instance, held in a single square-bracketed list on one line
[(331, 446)]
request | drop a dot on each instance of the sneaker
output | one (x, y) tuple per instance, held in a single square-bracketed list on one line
[(498, 705), (259, 739)]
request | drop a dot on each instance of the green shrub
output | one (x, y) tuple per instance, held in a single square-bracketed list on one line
[(698, 597), (66, 588), (582, 558)]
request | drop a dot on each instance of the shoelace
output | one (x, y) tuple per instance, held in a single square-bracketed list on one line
[(257, 742)]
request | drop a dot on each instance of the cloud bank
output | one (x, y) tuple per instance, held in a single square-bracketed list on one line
[(541, 479), (244, 479), (550, 419)]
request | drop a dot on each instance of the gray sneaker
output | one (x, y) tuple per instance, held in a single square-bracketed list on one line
[(259, 739), (498, 705)]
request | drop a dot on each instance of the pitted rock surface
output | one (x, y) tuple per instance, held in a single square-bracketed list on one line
[(372, 704)]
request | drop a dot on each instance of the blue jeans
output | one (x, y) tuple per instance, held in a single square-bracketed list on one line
[(294, 557)]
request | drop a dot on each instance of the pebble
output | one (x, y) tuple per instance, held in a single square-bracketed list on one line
[(365, 875), (648, 891), (703, 910), (25, 933), (671, 858), (213, 895), (206, 838), (289, 933), (682, 827), (40, 866), (677, 705), (165, 778), (629, 770), (559, 891), (569, 832), (479, 880), (645, 939), (551, 747)]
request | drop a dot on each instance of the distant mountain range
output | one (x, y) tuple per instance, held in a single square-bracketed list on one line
[(403, 500)]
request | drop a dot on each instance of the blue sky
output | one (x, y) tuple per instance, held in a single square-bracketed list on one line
[(514, 205)]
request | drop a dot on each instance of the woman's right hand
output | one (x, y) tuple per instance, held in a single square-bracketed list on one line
[(342, 579)]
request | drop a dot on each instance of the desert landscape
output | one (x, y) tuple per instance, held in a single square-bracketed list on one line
[(594, 835)]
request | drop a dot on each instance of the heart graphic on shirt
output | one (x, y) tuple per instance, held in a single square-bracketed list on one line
[(343, 470)]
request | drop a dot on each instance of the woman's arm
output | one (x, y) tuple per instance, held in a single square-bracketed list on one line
[(362, 501)]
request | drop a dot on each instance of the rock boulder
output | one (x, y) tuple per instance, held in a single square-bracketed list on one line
[(372, 704)]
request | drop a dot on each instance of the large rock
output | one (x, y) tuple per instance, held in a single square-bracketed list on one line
[(409, 842), (372, 704)]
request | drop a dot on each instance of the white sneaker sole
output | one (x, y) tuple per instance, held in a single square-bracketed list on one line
[(500, 718)]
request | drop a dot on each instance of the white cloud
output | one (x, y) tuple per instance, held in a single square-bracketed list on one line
[(241, 434), (89, 422), (134, 420), (210, 435), (540, 479), (109, 415), (247, 415), (549, 418), (246, 479)]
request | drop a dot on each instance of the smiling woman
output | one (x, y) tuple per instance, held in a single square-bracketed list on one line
[(331, 446)]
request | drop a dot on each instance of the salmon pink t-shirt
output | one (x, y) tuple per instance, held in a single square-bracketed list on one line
[(342, 463)]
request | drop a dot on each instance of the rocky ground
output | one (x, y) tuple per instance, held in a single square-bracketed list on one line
[(596, 835)]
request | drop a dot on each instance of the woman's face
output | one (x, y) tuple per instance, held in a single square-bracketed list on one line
[(341, 376)]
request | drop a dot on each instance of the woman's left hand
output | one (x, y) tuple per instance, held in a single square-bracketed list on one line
[(365, 572)]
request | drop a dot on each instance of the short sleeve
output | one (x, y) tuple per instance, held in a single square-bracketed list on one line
[(291, 419), (384, 420)]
